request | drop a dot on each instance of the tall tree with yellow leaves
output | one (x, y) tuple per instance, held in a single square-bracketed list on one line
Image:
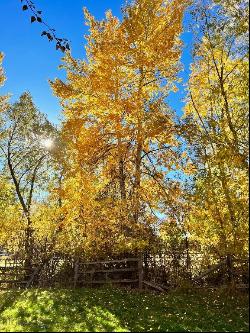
[(117, 123), (217, 118)]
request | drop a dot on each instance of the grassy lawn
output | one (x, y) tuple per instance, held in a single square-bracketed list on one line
[(113, 310)]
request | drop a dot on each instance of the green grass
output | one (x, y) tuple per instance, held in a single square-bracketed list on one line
[(113, 310)]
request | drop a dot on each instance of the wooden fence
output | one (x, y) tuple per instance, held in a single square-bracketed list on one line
[(171, 270), (58, 272), (13, 273), (151, 271), (126, 271)]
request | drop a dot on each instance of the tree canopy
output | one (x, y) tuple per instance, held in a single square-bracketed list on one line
[(124, 173)]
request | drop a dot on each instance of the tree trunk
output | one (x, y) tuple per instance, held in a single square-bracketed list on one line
[(121, 171), (137, 181)]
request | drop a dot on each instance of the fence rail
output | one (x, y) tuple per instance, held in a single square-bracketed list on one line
[(159, 272), (124, 271)]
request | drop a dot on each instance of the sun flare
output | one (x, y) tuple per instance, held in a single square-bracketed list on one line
[(47, 143)]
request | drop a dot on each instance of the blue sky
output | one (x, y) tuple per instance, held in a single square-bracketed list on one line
[(30, 60)]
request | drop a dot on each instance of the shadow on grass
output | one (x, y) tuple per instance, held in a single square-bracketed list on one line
[(57, 310), (110, 310), (7, 299)]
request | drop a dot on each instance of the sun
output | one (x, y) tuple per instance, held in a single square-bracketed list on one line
[(47, 143)]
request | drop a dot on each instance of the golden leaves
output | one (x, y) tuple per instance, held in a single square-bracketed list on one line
[(3, 99), (2, 78), (117, 122)]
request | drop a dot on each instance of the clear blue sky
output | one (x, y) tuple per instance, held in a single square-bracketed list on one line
[(30, 60)]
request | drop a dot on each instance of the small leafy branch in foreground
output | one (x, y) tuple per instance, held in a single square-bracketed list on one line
[(36, 16)]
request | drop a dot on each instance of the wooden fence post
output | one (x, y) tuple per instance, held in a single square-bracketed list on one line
[(140, 271)]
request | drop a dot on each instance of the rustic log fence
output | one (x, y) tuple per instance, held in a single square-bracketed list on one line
[(158, 272), (125, 271), (176, 269), (13, 273)]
